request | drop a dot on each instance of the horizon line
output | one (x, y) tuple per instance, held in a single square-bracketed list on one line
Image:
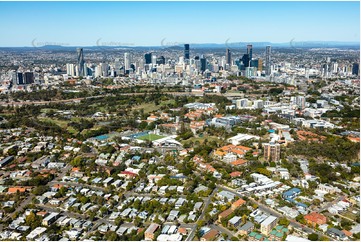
[(131, 45)]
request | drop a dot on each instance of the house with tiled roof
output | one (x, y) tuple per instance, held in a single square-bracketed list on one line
[(210, 235), (235, 174), (127, 174), (239, 162), (237, 204), (18, 189), (224, 214), (315, 219)]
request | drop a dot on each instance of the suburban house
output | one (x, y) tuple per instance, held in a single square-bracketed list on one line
[(315, 219)]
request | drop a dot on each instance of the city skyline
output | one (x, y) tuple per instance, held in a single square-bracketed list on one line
[(176, 23)]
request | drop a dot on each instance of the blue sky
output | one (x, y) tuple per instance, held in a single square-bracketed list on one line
[(150, 23)]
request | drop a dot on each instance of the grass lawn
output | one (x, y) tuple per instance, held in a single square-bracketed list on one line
[(151, 137), (349, 215), (148, 107), (46, 110), (200, 139), (61, 123)]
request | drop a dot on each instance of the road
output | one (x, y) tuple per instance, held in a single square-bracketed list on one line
[(223, 230), (206, 204), (329, 204), (96, 224), (62, 211), (29, 199), (76, 184), (20, 207), (275, 213)]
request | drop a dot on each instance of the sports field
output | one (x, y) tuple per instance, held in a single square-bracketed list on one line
[(150, 137)]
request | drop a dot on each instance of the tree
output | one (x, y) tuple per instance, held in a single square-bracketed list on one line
[(200, 223), (33, 220), (85, 148), (313, 237), (301, 219), (284, 222), (103, 210), (111, 236), (39, 190)]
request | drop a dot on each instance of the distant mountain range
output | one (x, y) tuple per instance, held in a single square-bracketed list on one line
[(238, 45)]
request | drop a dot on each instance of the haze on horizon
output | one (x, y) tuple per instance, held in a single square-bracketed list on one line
[(172, 23)]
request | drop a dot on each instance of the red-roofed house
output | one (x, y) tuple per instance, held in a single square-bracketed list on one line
[(127, 174), (315, 218), (237, 204), (224, 214), (235, 174), (17, 189), (210, 235), (239, 162)]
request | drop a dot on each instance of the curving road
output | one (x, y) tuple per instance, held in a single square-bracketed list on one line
[(273, 212)]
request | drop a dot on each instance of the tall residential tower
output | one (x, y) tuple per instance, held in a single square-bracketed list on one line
[(268, 60), (186, 51), (81, 62)]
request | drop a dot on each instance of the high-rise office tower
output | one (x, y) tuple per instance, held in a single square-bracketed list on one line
[(85, 70), (186, 51), (29, 77), (245, 60), (249, 52), (14, 78), (254, 63), (160, 60), (203, 63), (104, 69), (70, 69), (228, 57), (117, 65), (154, 59), (260, 65), (126, 61), (148, 58), (20, 78), (80, 61), (98, 70), (268, 60), (355, 69)]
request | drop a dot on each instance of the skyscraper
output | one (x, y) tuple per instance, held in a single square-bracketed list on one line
[(260, 65), (14, 78), (29, 77), (245, 60), (80, 61), (126, 61), (203, 63), (154, 59), (228, 57), (249, 52), (148, 58), (186, 51), (20, 78), (268, 60), (160, 60), (70, 69), (254, 63), (355, 69)]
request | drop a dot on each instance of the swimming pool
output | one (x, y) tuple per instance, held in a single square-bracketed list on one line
[(102, 137)]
